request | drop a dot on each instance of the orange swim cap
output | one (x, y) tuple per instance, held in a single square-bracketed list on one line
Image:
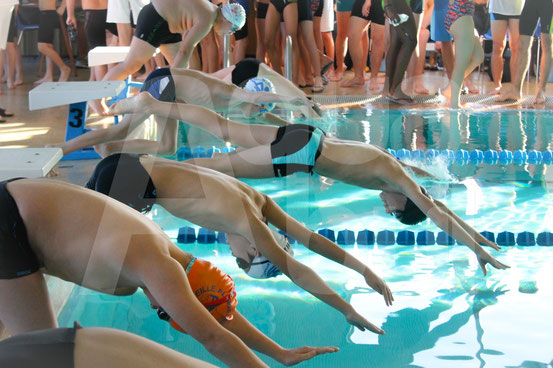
[(213, 288)]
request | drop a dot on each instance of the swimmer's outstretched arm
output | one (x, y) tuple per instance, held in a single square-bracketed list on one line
[(166, 280), (258, 341), (445, 221), (321, 245), (252, 111), (416, 170), (257, 232)]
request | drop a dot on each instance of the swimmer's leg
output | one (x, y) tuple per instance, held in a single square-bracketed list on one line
[(165, 145), (25, 304), (244, 135), (95, 137)]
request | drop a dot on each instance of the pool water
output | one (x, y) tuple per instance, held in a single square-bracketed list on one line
[(446, 313)]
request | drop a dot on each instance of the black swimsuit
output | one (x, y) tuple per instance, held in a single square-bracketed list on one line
[(152, 28), (17, 259), (122, 177)]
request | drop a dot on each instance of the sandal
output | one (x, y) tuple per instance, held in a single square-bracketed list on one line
[(5, 114), (317, 89)]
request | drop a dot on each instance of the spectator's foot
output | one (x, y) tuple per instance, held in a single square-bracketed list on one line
[(471, 88), (496, 91), (318, 85), (420, 90), (400, 98), (509, 97), (336, 76), (44, 80), (353, 82), (374, 87), (540, 98), (65, 73)]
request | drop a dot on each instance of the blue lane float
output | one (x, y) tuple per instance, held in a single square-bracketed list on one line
[(385, 237), (444, 238), (426, 238), (188, 234), (365, 237), (206, 236), (462, 157), (405, 237), (222, 238), (346, 237), (545, 239), (505, 238), (328, 233), (526, 239)]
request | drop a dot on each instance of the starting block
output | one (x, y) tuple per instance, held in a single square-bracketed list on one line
[(74, 94), (28, 162)]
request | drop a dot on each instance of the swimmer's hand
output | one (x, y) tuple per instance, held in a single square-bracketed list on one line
[(380, 287), (298, 355), (355, 319), (484, 258)]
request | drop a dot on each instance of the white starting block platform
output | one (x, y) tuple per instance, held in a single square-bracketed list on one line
[(103, 55), (28, 162), (52, 94)]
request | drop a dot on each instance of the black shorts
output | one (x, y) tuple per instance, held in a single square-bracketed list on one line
[(296, 148), (318, 12), (533, 11), (161, 85), (416, 6), (281, 4), (304, 10), (48, 21), (152, 28), (241, 33), (376, 13), (244, 70), (262, 10), (17, 259), (45, 348), (122, 177), (497, 16), (12, 33), (95, 26)]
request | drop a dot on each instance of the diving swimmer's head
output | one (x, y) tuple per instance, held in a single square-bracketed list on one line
[(235, 14), (258, 266), (403, 208), (260, 84)]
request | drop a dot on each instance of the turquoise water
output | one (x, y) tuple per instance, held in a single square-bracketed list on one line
[(446, 312)]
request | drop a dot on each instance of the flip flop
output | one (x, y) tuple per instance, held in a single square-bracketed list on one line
[(317, 89), (5, 114), (400, 101), (325, 68)]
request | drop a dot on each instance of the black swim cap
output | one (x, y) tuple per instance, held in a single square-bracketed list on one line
[(411, 214)]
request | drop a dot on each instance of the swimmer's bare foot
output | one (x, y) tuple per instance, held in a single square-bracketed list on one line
[(65, 73), (540, 98), (98, 107), (139, 103), (353, 82)]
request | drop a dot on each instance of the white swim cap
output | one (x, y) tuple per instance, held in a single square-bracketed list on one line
[(261, 267), (260, 84), (235, 14)]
